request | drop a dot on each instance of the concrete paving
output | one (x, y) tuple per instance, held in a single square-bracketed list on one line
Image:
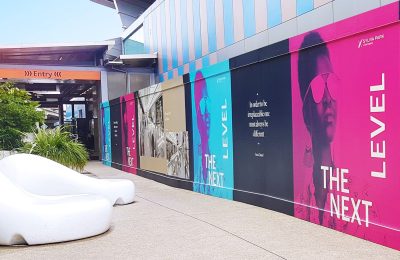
[(170, 223)]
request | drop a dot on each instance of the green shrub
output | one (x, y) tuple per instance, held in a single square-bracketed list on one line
[(18, 115), (57, 145)]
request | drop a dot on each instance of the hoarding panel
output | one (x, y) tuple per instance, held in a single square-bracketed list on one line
[(212, 131), (128, 132), (106, 135), (345, 131), (262, 124)]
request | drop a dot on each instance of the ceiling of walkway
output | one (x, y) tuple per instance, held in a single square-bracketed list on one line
[(52, 95), (58, 54), (52, 92)]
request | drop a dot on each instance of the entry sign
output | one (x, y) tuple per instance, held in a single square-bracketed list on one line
[(49, 74)]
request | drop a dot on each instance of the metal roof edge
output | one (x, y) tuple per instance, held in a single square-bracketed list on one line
[(54, 45)]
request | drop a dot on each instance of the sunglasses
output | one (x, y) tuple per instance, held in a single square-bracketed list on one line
[(205, 104), (320, 83)]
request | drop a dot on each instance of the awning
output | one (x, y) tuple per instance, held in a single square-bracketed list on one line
[(136, 60), (60, 54)]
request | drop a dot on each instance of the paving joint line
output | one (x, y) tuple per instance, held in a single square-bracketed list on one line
[(215, 226)]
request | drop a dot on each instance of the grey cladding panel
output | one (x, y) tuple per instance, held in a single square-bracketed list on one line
[(283, 31), (257, 41), (343, 9), (231, 51), (315, 19)]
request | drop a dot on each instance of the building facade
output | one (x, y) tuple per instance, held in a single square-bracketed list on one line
[(188, 35), (288, 105)]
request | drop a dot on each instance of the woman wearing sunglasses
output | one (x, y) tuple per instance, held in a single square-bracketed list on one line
[(318, 88), (202, 105)]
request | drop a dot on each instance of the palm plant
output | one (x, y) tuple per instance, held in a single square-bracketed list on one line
[(57, 145)]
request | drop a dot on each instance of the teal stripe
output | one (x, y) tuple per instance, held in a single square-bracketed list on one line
[(180, 71), (228, 23), (197, 28), (249, 18), (205, 61), (163, 38), (274, 12), (192, 66), (211, 24), (304, 6), (185, 37), (173, 34), (154, 30)]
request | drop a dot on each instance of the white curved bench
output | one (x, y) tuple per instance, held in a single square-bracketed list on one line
[(30, 219), (41, 176)]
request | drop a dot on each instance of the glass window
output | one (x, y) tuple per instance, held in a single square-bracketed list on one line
[(134, 44), (139, 81), (79, 111), (67, 112)]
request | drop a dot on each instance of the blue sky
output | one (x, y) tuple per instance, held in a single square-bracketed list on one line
[(56, 21)]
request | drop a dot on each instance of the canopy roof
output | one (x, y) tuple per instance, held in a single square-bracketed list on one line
[(63, 54)]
